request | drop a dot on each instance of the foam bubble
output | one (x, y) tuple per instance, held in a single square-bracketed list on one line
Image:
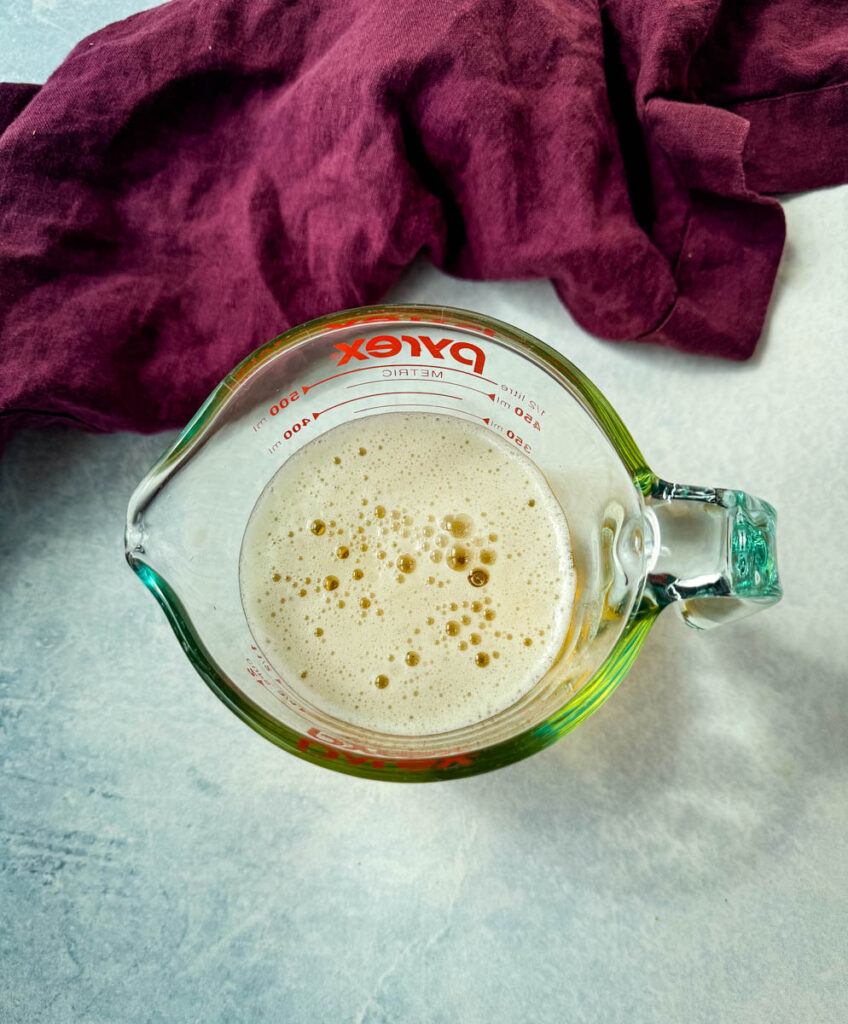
[(430, 480)]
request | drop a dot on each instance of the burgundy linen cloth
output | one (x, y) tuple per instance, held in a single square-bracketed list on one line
[(202, 176)]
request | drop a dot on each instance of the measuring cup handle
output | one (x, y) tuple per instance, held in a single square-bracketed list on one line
[(713, 555)]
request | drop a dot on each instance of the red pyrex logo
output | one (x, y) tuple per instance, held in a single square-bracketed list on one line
[(385, 346)]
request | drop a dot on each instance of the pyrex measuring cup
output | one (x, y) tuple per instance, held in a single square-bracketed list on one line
[(639, 543)]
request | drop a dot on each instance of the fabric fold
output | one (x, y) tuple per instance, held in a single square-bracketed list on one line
[(201, 176), (734, 237), (14, 96)]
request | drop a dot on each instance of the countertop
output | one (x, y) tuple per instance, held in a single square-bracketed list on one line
[(680, 856)]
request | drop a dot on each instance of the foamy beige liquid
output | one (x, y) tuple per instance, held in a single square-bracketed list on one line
[(408, 573)]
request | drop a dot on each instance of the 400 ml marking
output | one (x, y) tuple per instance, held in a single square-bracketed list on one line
[(289, 433)]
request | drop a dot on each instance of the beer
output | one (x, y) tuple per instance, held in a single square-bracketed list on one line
[(409, 573)]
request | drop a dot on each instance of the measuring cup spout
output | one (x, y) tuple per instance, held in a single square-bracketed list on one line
[(135, 538)]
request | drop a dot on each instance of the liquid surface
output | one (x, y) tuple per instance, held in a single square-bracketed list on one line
[(408, 573)]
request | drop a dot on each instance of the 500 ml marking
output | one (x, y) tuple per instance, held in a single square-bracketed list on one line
[(277, 408), (283, 402), (289, 433)]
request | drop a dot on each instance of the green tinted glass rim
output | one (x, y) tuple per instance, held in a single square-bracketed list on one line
[(584, 703)]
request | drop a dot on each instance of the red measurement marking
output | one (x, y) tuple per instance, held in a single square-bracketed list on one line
[(420, 405), (528, 417), (391, 366), (411, 405), (449, 383), (382, 394)]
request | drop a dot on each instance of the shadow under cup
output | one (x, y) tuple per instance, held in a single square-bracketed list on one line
[(187, 518)]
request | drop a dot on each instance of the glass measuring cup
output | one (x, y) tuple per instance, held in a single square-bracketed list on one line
[(639, 543)]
